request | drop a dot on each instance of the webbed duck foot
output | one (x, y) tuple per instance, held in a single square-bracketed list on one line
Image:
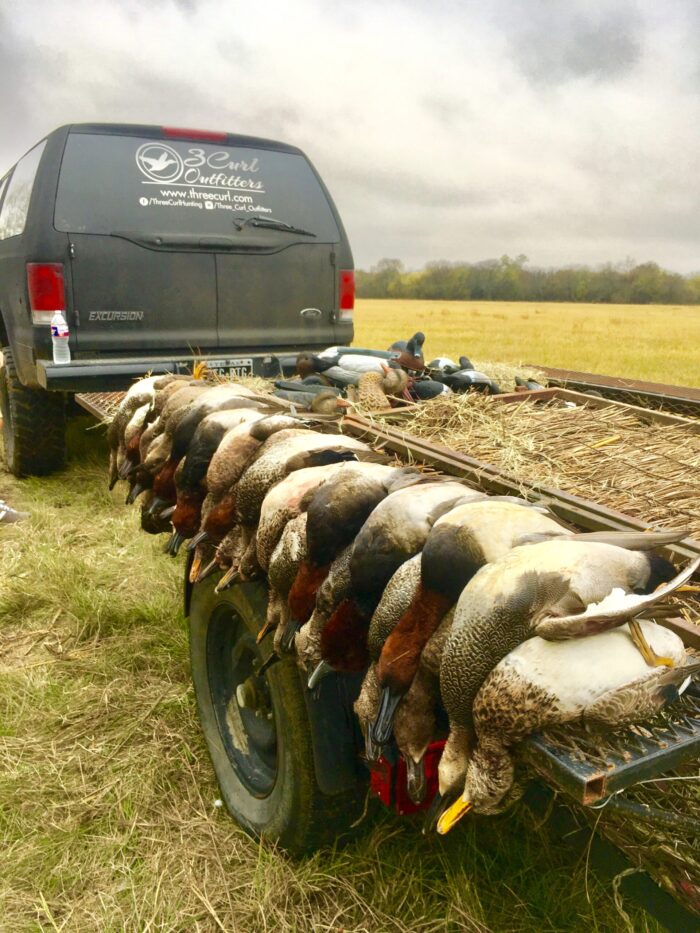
[(373, 751)]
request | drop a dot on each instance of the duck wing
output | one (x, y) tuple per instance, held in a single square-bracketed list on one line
[(613, 610), (641, 698)]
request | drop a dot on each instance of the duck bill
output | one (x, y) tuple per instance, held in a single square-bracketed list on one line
[(134, 493), (416, 782), (265, 631), (199, 538), (211, 568), (167, 513), (174, 543), (195, 568), (289, 634), (453, 815), (383, 725), (266, 665), (228, 579), (320, 671), (157, 505), (126, 468)]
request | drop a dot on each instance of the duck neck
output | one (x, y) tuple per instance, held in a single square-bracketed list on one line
[(489, 774), (302, 595), (402, 650)]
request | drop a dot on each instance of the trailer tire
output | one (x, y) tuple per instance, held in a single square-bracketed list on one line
[(271, 790), (33, 424)]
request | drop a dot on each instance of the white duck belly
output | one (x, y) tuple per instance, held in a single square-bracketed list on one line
[(577, 672)]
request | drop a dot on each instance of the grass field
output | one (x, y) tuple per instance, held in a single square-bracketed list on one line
[(660, 343), (107, 800), (107, 816)]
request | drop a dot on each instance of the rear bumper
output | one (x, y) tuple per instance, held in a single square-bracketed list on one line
[(107, 375)]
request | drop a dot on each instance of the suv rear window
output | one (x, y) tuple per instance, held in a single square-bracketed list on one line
[(119, 184)]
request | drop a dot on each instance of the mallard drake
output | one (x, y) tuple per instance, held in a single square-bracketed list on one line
[(601, 680)]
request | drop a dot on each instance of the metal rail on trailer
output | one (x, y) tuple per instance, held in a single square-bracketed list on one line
[(681, 399)]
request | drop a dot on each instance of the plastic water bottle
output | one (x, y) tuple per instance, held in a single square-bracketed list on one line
[(59, 338)]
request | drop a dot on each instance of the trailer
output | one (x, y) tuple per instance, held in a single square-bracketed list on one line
[(290, 763)]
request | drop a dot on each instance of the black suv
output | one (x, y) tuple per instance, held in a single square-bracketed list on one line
[(159, 245)]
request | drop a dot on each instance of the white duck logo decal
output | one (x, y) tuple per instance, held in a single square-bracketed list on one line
[(159, 162)]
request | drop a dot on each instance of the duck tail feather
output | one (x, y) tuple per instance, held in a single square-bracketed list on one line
[(633, 540)]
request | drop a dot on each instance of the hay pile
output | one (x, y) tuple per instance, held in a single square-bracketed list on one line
[(649, 471)]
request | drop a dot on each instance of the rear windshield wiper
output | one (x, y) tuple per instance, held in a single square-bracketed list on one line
[(270, 223)]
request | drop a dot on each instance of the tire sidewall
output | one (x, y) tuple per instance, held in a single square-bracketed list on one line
[(279, 815)]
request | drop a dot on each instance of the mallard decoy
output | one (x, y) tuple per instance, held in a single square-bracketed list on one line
[(601, 680)]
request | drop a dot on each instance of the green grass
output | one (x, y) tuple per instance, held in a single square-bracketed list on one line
[(655, 342), (107, 817)]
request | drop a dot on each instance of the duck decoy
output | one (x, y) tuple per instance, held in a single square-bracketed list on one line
[(413, 346), (422, 390), (601, 680)]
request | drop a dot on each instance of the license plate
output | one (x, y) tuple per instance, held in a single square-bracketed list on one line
[(242, 366)]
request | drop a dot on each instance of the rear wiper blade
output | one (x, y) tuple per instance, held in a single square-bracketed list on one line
[(270, 223)]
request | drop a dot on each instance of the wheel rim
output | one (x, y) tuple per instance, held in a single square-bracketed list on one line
[(241, 701)]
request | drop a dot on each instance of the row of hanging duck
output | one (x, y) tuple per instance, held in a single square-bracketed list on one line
[(484, 606)]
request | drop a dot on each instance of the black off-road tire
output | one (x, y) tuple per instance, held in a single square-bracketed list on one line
[(33, 424), (288, 807)]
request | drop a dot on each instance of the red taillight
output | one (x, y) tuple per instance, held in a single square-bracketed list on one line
[(346, 294), (46, 289), (171, 132)]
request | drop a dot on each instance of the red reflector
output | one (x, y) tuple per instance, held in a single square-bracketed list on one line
[(171, 132), (346, 293), (46, 290)]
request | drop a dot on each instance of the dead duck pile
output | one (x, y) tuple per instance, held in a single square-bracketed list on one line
[(481, 609)]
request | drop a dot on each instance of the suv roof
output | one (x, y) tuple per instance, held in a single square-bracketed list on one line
[(168, 132)]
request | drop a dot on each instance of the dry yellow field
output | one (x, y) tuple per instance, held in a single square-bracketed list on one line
[(660, 343)]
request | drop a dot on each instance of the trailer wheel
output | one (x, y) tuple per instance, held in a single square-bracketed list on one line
[(256, 727), (33, 424)]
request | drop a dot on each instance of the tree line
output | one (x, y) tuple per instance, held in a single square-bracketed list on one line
[(508, 279)]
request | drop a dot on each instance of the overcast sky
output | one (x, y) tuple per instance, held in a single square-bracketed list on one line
[(567, 131)]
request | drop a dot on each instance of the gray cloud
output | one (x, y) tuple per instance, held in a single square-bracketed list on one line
[(443, 129), (559, 42)]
